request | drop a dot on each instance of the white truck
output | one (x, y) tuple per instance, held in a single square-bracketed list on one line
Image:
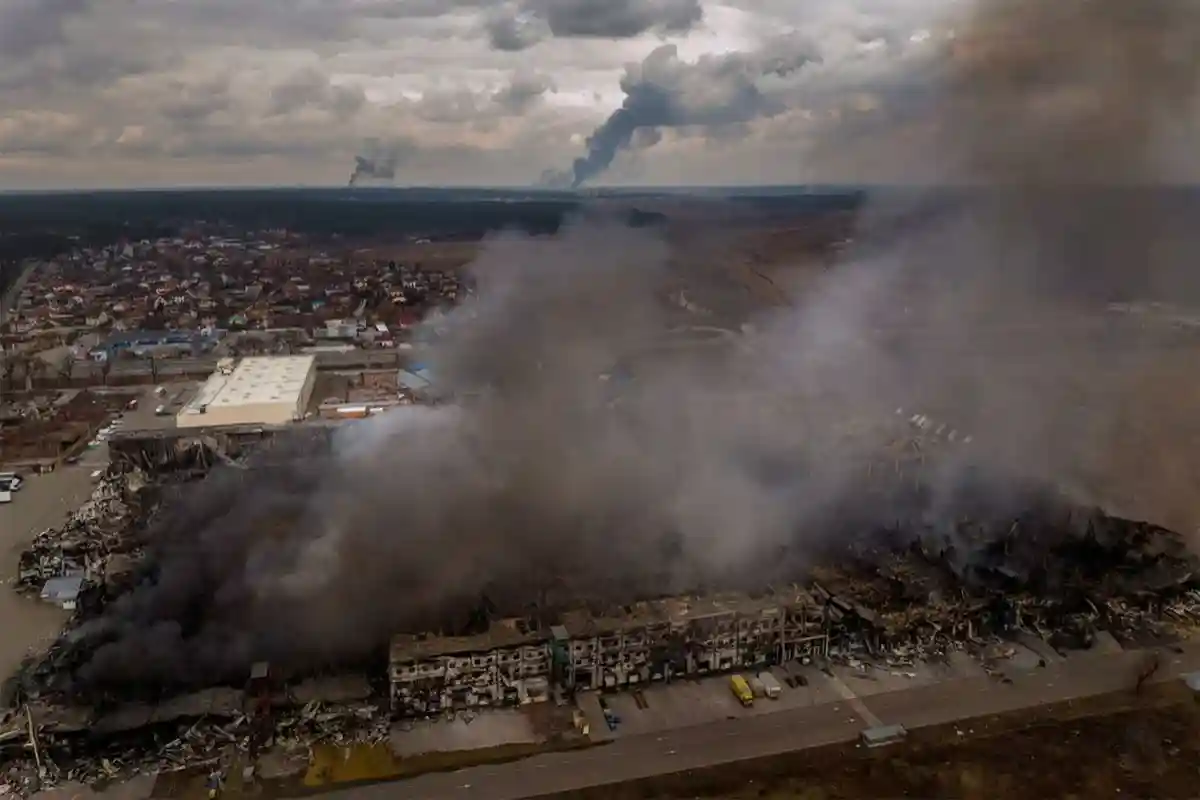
[(771, 687)]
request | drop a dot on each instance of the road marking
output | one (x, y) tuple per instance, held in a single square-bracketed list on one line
[(860, 708)]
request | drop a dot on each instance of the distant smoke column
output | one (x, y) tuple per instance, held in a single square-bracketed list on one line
[(664, 91), (376, 162), (613, 136), (361, 167)]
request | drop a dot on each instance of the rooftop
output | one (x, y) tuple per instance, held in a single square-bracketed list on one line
[(255, 380)]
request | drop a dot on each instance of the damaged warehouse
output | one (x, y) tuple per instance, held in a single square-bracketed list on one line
[(893, 587), (895, 603), (905, 571), (650, 641)]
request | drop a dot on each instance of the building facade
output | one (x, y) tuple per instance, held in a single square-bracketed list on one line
[(652, 641)]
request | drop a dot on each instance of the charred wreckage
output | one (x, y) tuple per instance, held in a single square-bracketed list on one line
[(889, 594)]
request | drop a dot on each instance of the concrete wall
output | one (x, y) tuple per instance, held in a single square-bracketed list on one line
[(249, 414)]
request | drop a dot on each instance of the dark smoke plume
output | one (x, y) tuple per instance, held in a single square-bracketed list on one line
[(713, 467), (377, 161), (541, 481), (666, 92)]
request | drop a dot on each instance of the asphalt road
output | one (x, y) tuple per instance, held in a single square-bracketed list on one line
[(750, 737)]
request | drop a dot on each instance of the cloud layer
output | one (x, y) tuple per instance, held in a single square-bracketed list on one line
[(147, 92)]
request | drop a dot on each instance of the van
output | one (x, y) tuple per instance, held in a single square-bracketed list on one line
[(10, 481), (5, 496), (741, 690)]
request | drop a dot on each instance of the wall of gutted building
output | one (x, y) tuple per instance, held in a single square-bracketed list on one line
[(662, 641)]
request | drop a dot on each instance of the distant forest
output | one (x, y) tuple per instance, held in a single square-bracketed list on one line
[(439, 213), (39, 225)]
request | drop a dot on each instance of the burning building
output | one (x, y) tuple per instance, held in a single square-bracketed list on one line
[(661, 640)]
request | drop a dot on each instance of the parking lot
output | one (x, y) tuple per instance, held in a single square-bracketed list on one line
[(42, 502), (171, 399), (698, 702)]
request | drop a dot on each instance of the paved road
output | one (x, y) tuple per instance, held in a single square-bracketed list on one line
[(749, 737)]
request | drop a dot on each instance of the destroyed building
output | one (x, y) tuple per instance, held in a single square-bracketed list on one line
[(896, 585), (97, 547), (650, 641), (886, 596)]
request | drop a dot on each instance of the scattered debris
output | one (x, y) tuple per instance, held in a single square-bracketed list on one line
[(63, 561)]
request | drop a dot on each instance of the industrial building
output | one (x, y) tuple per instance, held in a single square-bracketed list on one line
[(261, 390), (652, 641)]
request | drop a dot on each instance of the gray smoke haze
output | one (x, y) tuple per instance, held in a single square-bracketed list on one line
[(714, 467), (546, 481), (1063, 122), (377, 161), (664, 91)]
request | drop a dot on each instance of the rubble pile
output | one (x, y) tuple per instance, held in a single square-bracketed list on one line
[(1062, 578), (202, 730), (75, 759), (321, 723), (101, 528)]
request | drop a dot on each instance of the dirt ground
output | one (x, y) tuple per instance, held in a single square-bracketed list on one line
[(1149, 749)]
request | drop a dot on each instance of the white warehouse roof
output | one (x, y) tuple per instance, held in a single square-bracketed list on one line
[(275, 388)]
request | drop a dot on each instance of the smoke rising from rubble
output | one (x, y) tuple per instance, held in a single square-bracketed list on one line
[(550, 483)]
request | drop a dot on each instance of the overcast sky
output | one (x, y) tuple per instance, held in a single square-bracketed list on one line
[(120, 93)]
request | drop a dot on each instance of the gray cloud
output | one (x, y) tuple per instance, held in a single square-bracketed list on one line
[(137, 79), (517, 26), (523, 92), (28, 25), (311, 88), (510, 30), (617, 19)]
